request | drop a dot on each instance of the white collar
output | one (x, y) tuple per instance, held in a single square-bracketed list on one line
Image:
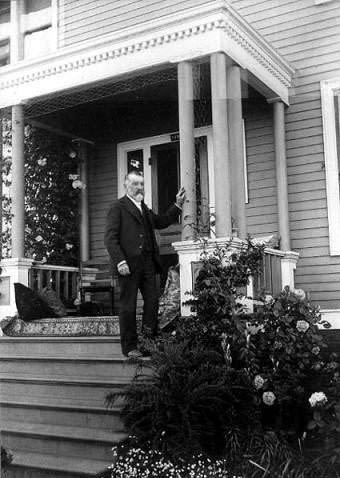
[(136, 203)]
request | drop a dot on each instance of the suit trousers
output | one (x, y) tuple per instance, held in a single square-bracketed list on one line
[(142, 278)]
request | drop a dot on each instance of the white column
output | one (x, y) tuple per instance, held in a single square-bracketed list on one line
[(281, 173), (218, 66), (17, 39), (236, 149), (187, 147), (18, 182), (84, 204)]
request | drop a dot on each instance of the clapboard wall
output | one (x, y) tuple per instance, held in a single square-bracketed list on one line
[(308, 36), (81, 20), (262, 205)]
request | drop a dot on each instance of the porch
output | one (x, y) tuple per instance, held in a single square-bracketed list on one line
[(192, 120)]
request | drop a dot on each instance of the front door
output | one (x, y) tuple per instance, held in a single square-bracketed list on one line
[(165, 174)]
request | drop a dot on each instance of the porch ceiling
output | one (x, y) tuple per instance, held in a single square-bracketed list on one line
[(197, 33)]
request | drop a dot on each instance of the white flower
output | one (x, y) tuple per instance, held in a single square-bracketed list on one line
[(39, 238), (316, 350), (68, 246), (258, 382), (302, 325), (268, 398), (43, 260), (72, 154), (300, 293), (42, 162), (73, 177), (253, 329), (77, 184), (317, 399)]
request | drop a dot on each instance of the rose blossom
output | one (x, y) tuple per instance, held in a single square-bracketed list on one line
[(316, 350), (39, 238), (258, 382), (317, 399), (268, 398), (42, 162), (299, 293), (302, 325)]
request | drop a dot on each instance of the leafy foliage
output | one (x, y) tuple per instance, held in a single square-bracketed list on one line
[(51, 201), (261, 390)]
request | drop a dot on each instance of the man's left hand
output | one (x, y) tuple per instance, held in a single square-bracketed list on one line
[(180, 197)]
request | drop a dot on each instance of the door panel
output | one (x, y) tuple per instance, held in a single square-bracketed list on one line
[(165, 184)]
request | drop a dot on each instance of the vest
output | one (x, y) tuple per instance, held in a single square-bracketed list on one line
[(148, 246)]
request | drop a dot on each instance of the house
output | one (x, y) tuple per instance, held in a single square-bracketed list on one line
[(236, 100), (155, 76)]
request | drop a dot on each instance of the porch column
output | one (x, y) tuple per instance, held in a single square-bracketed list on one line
[(84, 204), (218, 67), (187, 147), (16, 40), (1, 175), (236, 149), (18, 182), (281, 173)]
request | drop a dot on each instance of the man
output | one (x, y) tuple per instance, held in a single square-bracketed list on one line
[(131, 243)]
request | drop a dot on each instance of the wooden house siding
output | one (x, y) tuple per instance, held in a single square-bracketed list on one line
[(308, 36), (81, 20), (102, 191)]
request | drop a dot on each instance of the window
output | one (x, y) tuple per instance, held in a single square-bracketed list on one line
[(330, 94), (38, 27), (4, 32)]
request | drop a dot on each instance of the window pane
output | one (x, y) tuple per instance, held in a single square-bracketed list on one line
[(135, 161), (167, 159), (4, 53), (36, 5), (4, 12), (38, 43)]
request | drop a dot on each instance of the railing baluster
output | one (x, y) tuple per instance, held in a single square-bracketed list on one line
[(57, 283)]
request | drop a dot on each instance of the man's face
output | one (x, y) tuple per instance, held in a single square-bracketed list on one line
[(135, 187)]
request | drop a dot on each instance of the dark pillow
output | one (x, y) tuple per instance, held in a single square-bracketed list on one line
[(30, 306), (50, 297)]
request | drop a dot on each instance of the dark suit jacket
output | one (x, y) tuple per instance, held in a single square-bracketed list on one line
[(125, 231)]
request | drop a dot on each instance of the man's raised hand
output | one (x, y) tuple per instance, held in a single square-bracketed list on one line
[(180, 197)]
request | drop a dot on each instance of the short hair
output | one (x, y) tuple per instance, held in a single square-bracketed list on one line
[(134, 172)]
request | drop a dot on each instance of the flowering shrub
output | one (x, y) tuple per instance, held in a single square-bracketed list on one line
[(51, 199), (148, 463), (255, 389)]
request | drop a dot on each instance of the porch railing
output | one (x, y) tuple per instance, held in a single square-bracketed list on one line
[(62, 279), (269, 280)]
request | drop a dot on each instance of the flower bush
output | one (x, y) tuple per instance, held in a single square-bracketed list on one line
[(51, 199), (258, 390)]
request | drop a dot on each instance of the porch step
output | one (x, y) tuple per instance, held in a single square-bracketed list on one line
[(105, 347), (55, 414), (59, 440), (65, 368), (66, 391), (33, 465)]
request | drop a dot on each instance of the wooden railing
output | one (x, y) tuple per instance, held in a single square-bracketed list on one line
[(269, 281), (62, 279)]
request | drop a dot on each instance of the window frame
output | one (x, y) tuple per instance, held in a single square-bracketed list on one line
[(329, 89)]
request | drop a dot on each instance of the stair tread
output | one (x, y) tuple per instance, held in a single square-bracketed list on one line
[(57, 406), (86, 467), (46, 339), (77, 358), (12, 377), (62, 431)]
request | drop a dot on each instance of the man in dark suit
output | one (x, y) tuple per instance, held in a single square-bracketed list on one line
[(131, 243)]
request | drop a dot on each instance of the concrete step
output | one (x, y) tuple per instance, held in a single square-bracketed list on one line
[(59, 367), (67, 347), (59, 440), (34, 465), (54, 414), (63, 391)]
